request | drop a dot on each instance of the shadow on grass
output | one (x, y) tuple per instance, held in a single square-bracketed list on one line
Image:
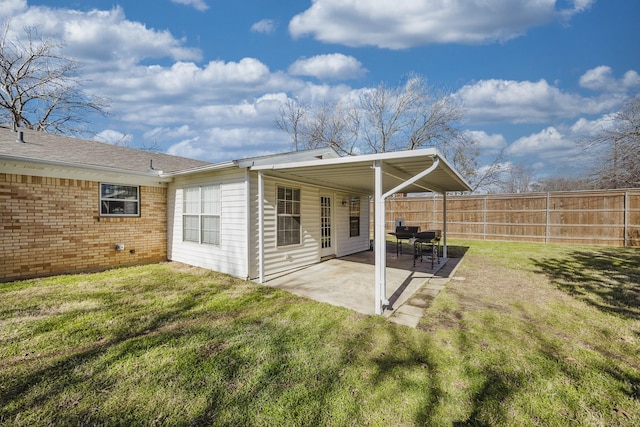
[(608, 279), (49, 376), (454, 251)]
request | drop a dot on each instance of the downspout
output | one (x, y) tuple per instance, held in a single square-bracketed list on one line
[(260, 227)]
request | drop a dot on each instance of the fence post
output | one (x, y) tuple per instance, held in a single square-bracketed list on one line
[(625, 240), (546, 227), (484, 218), (434, 211)]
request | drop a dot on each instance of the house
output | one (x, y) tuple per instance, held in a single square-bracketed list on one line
[(70, 205), (66, 203)]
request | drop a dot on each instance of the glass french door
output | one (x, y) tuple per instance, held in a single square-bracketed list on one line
[(325, 227)]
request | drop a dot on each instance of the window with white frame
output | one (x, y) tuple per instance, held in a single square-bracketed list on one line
[(201, 214), (289, 225), (119, 200), (354, 216)]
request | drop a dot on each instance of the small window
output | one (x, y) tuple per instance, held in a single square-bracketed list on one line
[(119, 200), (354, 216), (289, 225), (201, 215)]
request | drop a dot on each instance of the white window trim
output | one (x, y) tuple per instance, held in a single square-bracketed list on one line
[(201, 214), (123, 200), (279, 215)]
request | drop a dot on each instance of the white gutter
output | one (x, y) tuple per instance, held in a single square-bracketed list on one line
[(205, 168), (156, 174)]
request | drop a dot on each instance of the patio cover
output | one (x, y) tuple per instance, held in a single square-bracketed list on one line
[(380, 175)]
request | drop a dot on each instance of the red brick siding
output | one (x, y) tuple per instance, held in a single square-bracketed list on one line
[(51, 226)]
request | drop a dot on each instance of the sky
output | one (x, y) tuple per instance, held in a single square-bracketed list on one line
[(206, 78)]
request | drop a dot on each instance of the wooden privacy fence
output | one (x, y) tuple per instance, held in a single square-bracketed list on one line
[(609, 217)]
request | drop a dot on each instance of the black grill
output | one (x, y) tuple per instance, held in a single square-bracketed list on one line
[(404, 232), (429, 238)]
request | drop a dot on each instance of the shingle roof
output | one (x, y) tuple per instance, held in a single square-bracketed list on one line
[(47, 147)]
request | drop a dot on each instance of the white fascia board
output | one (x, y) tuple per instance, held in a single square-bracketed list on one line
[(295, 156), (427, 152), (25, 166), (205, 168)]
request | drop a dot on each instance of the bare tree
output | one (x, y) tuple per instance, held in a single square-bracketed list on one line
[(40, 88), (411, 116), (617, 149), (407, 117), (333, 125), (487, 178), (561, 183), (292, 120), (327, 125), (518, 179)]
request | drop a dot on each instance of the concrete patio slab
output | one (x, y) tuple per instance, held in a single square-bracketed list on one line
[(349, 281)]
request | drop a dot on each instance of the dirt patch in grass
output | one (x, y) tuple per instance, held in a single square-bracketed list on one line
[(481, 284)]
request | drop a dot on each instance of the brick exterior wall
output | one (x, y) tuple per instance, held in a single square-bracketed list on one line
[(52, 226)]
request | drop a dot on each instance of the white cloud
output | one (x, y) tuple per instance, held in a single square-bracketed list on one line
[(543, 143), (402, 24), (161, 134), (527, 102), (188, 148), (578, 7), (485, 142), (558, 150), (232, 144), (185, 83), (10, 8), (266, 26), (123, 43), (601, 79), (113, 137), (197, 4), (560, 143), (334, 66), (583, 127)]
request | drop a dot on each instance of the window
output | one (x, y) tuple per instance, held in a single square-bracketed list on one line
[(354, 216), (119, 200), (289, 226), (201, 215)]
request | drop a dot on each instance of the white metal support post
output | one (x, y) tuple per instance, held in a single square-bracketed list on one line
[(444, 224), (379, 238), (380, 229)]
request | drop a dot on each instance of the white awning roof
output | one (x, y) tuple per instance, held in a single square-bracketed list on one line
[(356, 173)]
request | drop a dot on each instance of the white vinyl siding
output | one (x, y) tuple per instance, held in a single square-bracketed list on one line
[(230, 254), (238, 252), (282, 258), (346, 244)]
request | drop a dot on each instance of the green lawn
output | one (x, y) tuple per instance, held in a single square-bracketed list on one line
[(525, 335)]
